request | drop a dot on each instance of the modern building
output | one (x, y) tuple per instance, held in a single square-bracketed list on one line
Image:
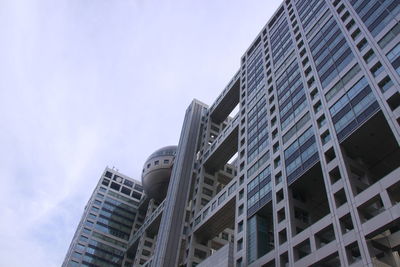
[(307, 172), (109, 218)]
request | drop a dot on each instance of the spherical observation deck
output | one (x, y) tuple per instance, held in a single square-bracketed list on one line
[(157, 172)]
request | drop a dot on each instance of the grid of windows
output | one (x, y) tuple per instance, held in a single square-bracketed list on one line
[(259, 190), (258, 237), (389, 36), (300, 155), (342, 82), (109, 229), (291, 94), (257, 130), (296, 128), (264, 158), (109, 239), (353, 108), (376, 14), (98, 252), (330, 51), (255, 73), (394, 58), (281, 41), (252, 239), (309, 11)]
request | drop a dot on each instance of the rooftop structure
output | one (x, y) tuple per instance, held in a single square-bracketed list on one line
[(157, 171)]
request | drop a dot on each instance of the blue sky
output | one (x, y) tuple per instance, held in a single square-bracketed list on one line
[(90, 83)]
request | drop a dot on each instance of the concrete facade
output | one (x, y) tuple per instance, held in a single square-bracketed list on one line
[(307, 172), (222, 258)]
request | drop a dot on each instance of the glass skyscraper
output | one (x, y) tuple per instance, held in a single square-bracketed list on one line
[(108, 221)]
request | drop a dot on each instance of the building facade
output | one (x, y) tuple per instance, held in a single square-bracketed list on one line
[(307, 172), (109, 218)]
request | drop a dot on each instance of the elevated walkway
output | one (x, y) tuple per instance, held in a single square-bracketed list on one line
[(224, 147), (227, 100)]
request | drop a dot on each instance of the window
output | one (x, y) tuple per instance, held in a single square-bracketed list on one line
[(83, 238), (73, 263), (240, 210), (330, 51), (89, 223), (239, 263), (300, 154), (115, 186), (377, 69), (208, 181), (359, 102), (376, 14), (77, 255), (309, 12), (139, 187), (240, 244), (128, 183), (394, 56), (389, 36), (369, 56), (385, 84), (145, 252), (321, 121), (240, 226), (205, 213), (257, 131), (200, 254), (297, 127), (340, 85), (204, 201), (126, 190), (241, 194), (102, 189), (317, 107), (207, 191), (362, 44), (221, 198), (325, 137), (80, 247), (232, 188), (355, 34), (225, 236)]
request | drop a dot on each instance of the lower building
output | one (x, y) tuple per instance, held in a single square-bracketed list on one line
[(109, 218)]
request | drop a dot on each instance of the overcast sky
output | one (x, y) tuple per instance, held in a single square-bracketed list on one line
[(86, 84)]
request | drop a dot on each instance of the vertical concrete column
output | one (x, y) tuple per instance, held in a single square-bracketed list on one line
[(172, 221)]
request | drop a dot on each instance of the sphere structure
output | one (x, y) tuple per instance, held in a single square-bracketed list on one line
[(157, 172)]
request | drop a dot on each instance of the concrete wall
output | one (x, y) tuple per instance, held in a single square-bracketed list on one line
[(221, 258)]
